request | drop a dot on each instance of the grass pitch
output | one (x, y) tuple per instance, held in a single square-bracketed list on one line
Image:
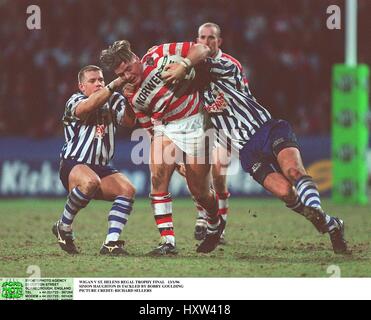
[(264, 240)]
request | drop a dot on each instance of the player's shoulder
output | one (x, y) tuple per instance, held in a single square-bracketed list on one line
[(173, 45), (231, 59), (116, 97), (172, 48), (76, 97)]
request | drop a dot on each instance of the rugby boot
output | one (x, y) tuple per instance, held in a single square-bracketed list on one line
[(211, 240), (336, 232), (114, 248), (65, 238), (335, 228), (164, 249), (200, 229)]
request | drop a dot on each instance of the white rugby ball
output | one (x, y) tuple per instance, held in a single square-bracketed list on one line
[(169, 59)]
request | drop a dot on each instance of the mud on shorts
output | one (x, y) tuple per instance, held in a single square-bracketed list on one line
[(259, 155)]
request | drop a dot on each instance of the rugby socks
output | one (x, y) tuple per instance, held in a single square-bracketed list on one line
[(213, 219), (309, 195), (76, 200), (307, 192), (162, 207), (118, 217), (296, 206), (223, 204), (201, 215)]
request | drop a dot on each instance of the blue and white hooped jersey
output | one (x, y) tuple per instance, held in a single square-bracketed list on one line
[(234, 112), (91, 140)]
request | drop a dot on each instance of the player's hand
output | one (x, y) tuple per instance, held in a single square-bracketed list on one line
[(174, 73), (128, 90), (118, 83)]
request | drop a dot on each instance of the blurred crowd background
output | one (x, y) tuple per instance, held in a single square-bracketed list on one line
[(284, 45)]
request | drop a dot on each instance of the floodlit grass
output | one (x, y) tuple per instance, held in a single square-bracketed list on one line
[(264, 240)]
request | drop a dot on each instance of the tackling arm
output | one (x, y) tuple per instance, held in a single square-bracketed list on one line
[(97, 99), (129, 119), (176, 72)]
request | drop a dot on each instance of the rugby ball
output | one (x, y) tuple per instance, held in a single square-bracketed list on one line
[(169, 59)]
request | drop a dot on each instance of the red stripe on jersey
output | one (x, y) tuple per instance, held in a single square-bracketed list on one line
[(158, 96), (178, 102), (147, 71), (159, 50), (164, 102), (185, 110), (172, 48), (185, 48), (146, 124), (166, 219), (195, 111), (157, 115), (143, 122)]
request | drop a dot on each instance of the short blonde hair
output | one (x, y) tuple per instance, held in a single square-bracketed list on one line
[(210, 25), (90, 67)]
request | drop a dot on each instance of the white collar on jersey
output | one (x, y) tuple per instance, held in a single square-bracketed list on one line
[(219, 54)]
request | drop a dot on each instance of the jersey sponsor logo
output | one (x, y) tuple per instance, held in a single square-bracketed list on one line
[(218, 105), (100, 131), (147, 89)]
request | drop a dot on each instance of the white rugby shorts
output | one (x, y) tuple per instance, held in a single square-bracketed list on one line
[(188, 134)]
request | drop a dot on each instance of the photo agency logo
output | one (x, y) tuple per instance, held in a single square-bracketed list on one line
[(12, 290), (33, 21)]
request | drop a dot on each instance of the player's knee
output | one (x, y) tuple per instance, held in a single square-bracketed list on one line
[(91, 184), (295, 174), (130, 191)]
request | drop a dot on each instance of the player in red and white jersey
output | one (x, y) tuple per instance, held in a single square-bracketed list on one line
[(172, 111), (164, 102)]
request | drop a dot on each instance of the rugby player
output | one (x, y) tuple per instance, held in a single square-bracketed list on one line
[(90, 120), (171, 110), (209, 34), (267, 147)]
